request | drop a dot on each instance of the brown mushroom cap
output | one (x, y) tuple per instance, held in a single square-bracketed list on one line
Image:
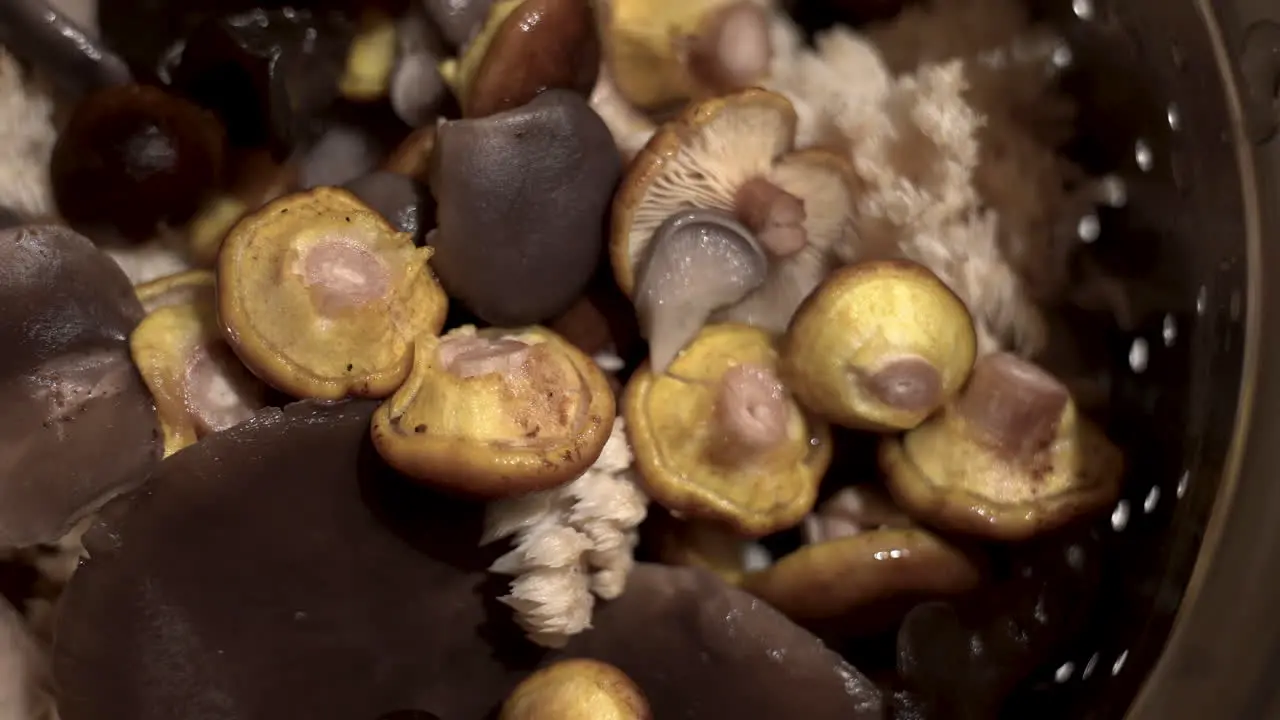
[(864, 581), (79, 426), (374, 598), (523, 197), (880, 346), (1009, 459), (537, 45)]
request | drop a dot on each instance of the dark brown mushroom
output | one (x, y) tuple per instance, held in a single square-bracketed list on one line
[(45, 37), (523, 199), (132, 156), (404, 203), (79, 426), (374, 598)]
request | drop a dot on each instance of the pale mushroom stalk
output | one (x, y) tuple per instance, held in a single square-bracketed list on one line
[(416, 89), (774, 215), (1014, 404), (732, 49), (751, 414), (469, 357), (699, 261), (36, 32)]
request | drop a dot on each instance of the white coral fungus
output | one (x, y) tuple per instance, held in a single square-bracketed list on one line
[(572, 543)]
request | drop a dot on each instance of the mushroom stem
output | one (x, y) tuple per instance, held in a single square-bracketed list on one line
[(48, 39), (1013, 405), (732, 48), (911, 384), (774, 215), (469, 357), (342, 274), (751, 414)]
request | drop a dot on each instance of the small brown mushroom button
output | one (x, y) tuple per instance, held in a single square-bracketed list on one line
[(79, 426), (1009, 459), (525, 48), (577, 689), (133, 156), (198, 383), (189, 286), (718, 437), (879, 346), (320, 297), (375, 599), (496, 413), (661, 53), (523, 198), (732, 154)]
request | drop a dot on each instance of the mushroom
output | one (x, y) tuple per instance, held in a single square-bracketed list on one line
[(879, 346), (47, 38), (732, 154), (699, 261), (496, 413), (320, 297), (188, 286), (630, 127), (718, 437), (199, 385), (707, 545), (458, 21), (412, 157), (343, 153), (371, 58), (79, 426), (662, 54), (862, 582), (1010, 458), (374, 599), (133, 156), (24, 672), (417, 90), (397, 197), (576, 689), (254, 179), (267, 73), (523, 199), (525, 48)]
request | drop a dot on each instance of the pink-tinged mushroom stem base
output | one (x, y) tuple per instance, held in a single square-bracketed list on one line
[(751, 414), (911, 384), (468, 357), (774, 215), (342, 274), (220, 392), (733, 48), (1014, 405)]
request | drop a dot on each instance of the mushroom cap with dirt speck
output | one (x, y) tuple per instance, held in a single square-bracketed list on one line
[(79, 426), (1009, 459), (375, 598)]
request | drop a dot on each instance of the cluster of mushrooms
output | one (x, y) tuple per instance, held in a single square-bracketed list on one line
[(470, 285)]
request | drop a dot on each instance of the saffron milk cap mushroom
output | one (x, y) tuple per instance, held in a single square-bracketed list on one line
[(1009, 459), (717, 437), (880, 345)]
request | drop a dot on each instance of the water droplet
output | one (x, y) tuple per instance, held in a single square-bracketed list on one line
[(1169, 330), (1143, 156), (1089, 228), (1153, 499), (1174, 116), (1202, 300), (755, 557), (1083, 9), (1119, 664), (1113, 192), (1138, 355), (1120, 516), (1062, 56), (1075, 557), (1089, 667), (1063, 674), (1183, 482)]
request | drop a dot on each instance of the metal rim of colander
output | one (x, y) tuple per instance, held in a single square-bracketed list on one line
[(1224, 646)]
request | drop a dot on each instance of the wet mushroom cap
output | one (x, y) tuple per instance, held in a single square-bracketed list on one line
[(375, 599), (1009, 459), (132, 156), (880, 345), (320, 297), (537, 45), (717, 437), (849, 583), (523, 199), (577, 689), (457, 20), (496, 413), (398, 198), (79, 425)]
